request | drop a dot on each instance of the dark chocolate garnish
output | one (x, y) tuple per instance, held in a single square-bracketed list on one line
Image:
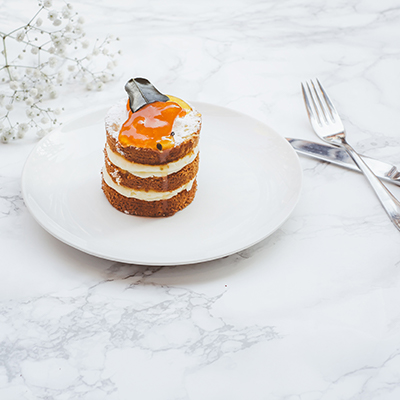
[(172, 133), (159, 146), (142, 92)]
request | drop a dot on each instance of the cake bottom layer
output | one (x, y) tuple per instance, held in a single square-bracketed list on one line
[(160, 208)]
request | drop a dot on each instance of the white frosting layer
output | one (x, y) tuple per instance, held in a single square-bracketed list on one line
[(183, 127), (147, 171), (142, 194)]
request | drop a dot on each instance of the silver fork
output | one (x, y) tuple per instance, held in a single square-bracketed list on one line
[(328, 126)]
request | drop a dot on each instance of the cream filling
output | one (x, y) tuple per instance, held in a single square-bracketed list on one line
[(142, 194), (147, 171)]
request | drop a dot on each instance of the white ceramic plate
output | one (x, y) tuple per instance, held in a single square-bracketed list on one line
[(248, 184)]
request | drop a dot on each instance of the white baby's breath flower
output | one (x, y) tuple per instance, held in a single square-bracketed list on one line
[(90, 86), (71, 67), (85, 44), (34, 50), (48, 3), (104, 78), (60, 77), (20, 36), (19, 96), (57, 22), (66, 12), (30, 113), (61, 51), (68, 28), (78, 30), (99, 86), (81, 20), (53, 62), (57, 111), (52, 50), (29, 101), (53, 94), (22, 129), (52, 15), (14, 85), (44, 120), (39, 22), (96, 51), (9, 107), (4, 139), (33, 92)]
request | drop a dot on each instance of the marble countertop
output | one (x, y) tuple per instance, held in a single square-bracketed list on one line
[(311, 312)]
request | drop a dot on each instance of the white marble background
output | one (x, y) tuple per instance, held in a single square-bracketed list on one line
[(312, 312)]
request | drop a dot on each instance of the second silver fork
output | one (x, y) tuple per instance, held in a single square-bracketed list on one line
[(328, 126)]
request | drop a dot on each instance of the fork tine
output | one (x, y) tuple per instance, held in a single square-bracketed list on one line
[(311, 106), (328, 101), (322, 104), (310, 111)]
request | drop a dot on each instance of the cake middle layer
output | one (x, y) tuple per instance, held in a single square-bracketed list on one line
[(159, 178)]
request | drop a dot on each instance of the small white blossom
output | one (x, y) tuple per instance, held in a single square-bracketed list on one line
[(4, 138), (96, 51), (57, 22), (52, 50), (34, 50), (33, 92), (57, 111), (19, 97), (48, 3), (30, 113), (61, 51), (44, 120), (99, 86), (60, 77), (78, 30), (71, 68), (20, 36), (22, 129), (81, 20), (53, 94), (14, 85), (53, 62), (68, 27), (52, 15), (104, 78), (85, 44), (39, 22), (105, 51), (66, 12), (9, 107), (29, 101)]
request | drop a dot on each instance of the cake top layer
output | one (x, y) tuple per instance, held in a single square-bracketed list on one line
[(183, 126)]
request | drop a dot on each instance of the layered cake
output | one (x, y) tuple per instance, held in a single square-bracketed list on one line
[(151, 152)]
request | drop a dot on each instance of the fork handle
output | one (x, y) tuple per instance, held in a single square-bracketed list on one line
[(388, 201)]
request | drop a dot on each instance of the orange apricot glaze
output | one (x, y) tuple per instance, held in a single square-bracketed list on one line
[(151, 126)]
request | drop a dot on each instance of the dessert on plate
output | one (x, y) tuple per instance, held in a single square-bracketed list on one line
[(151, 152)]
